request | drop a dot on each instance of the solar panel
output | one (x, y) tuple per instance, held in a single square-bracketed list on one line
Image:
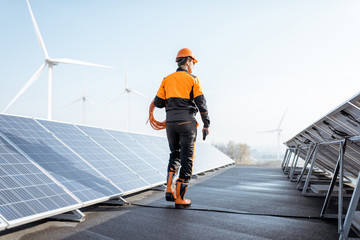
[(341, 123), (64, 165), (161, 142), (48, 168), (157, 145), (26, 192), (208, 157), (137, 173), (348, 117), (335, 139), (132, 142), (3, 224)]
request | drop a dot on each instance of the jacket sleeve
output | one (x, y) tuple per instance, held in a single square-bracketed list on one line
[(200, 102), (160, 98)]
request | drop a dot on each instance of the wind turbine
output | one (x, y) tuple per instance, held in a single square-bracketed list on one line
[(49, 62), (278, 130), (127, 90), (83, 99)]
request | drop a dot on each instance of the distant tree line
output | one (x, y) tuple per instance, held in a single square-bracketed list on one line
[(239, 152)]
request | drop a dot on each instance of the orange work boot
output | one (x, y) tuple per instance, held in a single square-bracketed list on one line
[(170, 193), (180, 201)]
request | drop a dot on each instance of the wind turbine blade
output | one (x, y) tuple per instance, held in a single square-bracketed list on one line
[(26, 86), (126, 81), (92, 102), (72, 102), (138, 93), (270, 131), (37, 31), (71, 61), (282, 118), (114, 98)]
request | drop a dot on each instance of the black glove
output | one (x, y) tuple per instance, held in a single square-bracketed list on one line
[(205, 133)]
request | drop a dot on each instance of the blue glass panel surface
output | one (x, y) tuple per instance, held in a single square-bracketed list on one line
[(95, 155), (24, 189), (130, 141), (65, 166), (159, 146), (129, 158)]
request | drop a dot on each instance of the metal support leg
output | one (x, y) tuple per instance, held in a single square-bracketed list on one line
[(283, 162), (287, 162), (338, 169), (307, 159), (75, 216), (310, 170), (351, 211), (331, 187), (294, 168), (292, 162), (118, 201), (341, 184)]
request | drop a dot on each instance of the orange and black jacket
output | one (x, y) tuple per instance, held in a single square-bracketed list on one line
[(181, 94)]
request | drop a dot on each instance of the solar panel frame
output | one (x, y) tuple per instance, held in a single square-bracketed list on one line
[(340, 123), (3, 223), (36, 143), (203, 162), (349, 117), (57, 159), (150, 175), (350, 161), (131, 143), (32, 191), (154, 144), (89, 150)]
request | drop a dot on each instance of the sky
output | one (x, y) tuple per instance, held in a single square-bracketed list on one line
[(257, 59)]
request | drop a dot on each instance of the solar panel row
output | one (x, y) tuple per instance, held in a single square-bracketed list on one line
[(25, 189), (341, 123), (48, 168), (332, 144)]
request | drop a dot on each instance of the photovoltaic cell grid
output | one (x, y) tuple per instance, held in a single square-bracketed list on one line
[(133, 144), (157, 145), (138, 173), (25, 190), (343, 122), (60, 167), (95, 155), (55, 158)]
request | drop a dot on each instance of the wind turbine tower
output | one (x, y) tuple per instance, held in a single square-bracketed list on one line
[(279, 131), (83, 99), (126, 91)]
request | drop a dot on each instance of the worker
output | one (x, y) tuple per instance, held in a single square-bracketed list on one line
[(182, 96)]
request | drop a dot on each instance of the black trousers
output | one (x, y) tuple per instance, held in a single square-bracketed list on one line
[(181, 137)]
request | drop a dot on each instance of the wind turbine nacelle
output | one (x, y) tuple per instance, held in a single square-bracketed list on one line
[(51, 62)]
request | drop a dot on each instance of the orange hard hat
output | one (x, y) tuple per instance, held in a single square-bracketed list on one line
[(185, 52)]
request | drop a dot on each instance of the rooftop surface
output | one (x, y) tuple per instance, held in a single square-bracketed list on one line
[(238, 202)]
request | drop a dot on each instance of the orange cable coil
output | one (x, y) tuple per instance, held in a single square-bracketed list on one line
[(153, 122)]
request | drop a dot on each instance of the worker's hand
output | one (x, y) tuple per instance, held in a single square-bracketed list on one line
[(205, 132)]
